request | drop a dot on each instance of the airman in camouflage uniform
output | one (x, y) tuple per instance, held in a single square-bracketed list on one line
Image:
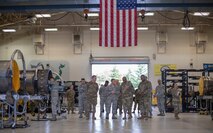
[(70, 99), (136, 101), (160, 94), (82, 88), (91, 97), (54, 97), (176, 94), (120, 104), (144, 90), (103, 93), (127, 91), (113, 91), (150, 101)]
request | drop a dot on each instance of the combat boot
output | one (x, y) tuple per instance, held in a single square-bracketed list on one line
[(163, 114), (44, 116), (81, 116), (54, 118), (124, 116), (93, 116), (130, 116), (142, 116), (107, 116), (114, 117), (87, 116), (120, 112), (176, 116)]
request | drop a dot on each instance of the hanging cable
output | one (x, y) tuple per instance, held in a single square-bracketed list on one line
[(168, 17), (186, 20), (84, 16), (57, 18)]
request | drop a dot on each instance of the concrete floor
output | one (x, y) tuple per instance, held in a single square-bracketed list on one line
[(189, 123)]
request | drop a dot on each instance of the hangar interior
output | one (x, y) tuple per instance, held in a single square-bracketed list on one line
[(58, 35)]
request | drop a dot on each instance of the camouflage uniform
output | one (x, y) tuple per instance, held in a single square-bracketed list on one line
[(120, 104), (91, 98), (82, 88), (102, 93), (160, 94), (113, 93), (70, 100), (54, 98), (145, 96), (127, 91), (150, 103), (176, 101), (137, 100)]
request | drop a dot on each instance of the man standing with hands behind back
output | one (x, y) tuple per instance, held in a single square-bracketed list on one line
[(91, 97), (160, 94), (144, 89), (82, 88), (127, 91)]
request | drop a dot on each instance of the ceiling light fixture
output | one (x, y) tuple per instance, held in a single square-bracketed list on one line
[(92, 14), (201, 13), (43, 15), (51, 29), (187, 28), (142, 28), (8, 30), (94, 28), (148, 14)]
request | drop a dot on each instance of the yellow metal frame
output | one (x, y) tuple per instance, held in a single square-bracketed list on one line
[(201, 86), (16, 76)]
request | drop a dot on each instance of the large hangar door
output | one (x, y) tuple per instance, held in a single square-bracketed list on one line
[(107, 68)]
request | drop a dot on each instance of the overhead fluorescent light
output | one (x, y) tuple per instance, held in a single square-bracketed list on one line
[(94, 28), (92, 14), (187, 28), (43, 15), (142, 28), (51, 29), (201, 13), (8, 30), (147, 14)]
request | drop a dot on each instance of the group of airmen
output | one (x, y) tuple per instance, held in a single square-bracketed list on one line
[(114, 96)]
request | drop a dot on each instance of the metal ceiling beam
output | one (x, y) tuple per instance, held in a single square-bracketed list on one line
[(67, 7)]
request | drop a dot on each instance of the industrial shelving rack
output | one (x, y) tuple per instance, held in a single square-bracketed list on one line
[(188, 82)]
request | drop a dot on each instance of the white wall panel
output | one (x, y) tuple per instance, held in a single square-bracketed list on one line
[(58, 46)]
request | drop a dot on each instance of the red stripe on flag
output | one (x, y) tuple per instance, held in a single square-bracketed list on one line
[(124, 27), (112, 27), (100, 24), (130, 27), (112, 22), (118, 28), (106, 23), (136, 31)]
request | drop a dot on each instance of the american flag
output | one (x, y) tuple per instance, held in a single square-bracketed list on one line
[(118, 23)]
